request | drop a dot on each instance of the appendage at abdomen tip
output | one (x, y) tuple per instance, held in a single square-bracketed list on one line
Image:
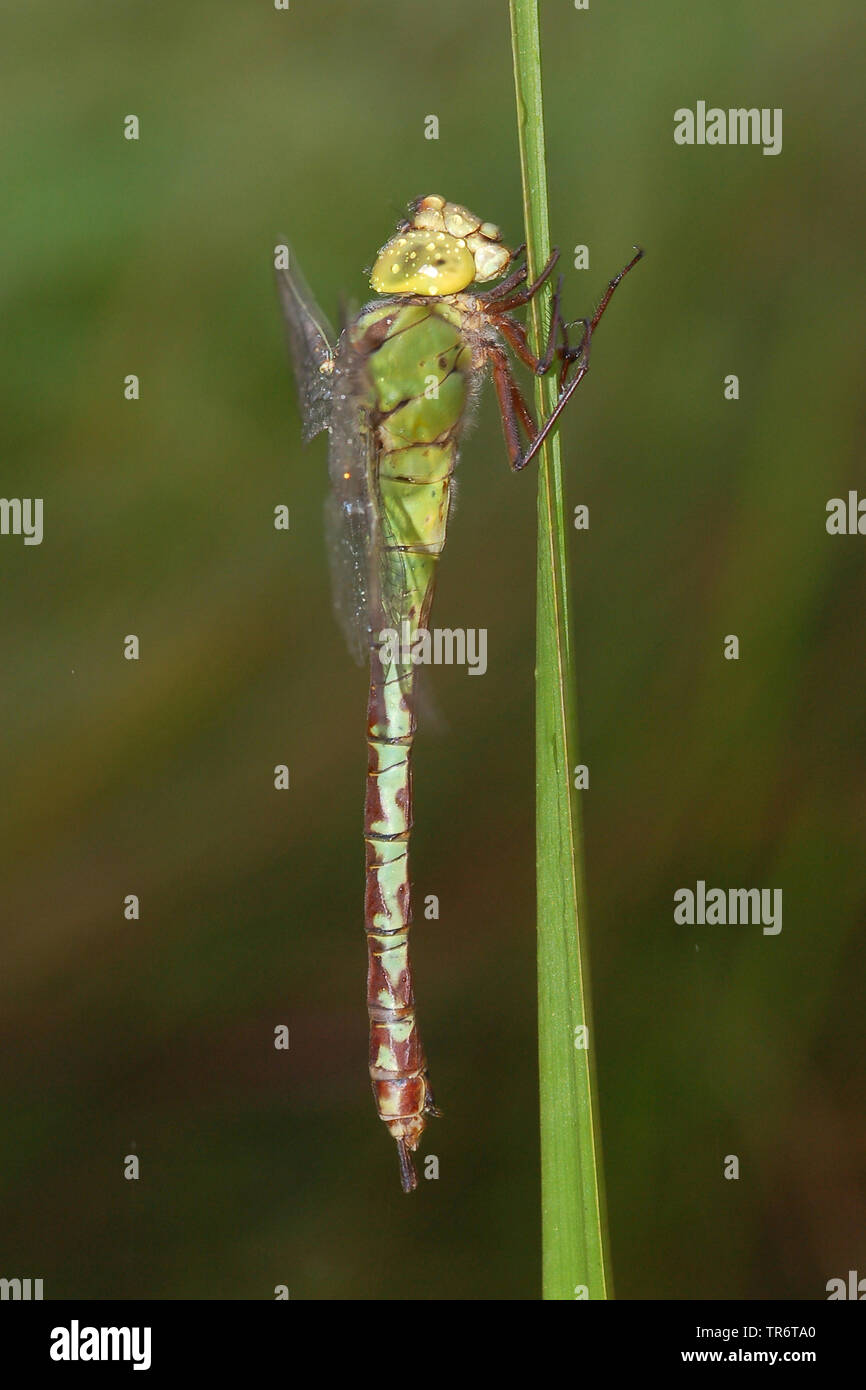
[(408, 1176)]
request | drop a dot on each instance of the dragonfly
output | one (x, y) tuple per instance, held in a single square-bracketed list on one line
[(393, 394)]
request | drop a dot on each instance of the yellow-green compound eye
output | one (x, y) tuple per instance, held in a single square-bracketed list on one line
[(423, 262)]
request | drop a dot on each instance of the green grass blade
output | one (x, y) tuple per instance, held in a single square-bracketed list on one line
[(574, 1227)]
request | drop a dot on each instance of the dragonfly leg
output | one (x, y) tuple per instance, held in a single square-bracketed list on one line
[(568, 355), (565, 396), (512, 407), (514, 333), (505, 301), (612, 284), (430, 1106)]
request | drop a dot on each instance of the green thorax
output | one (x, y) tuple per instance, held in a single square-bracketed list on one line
[(419, 372), (418, 365)]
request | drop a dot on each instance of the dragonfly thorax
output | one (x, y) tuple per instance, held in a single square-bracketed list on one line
[(441, 249)]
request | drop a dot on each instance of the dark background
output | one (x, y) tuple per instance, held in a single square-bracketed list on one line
[(156, 777)]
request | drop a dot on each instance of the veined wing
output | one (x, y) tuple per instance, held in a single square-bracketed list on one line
[(309, 339), (352, 524), (368, 573), (334, 394), (329, 396)]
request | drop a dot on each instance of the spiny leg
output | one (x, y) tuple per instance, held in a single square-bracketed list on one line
[(514, 301), (522, 410), (513, 409), (570, 354), (430, 1107), (515, 333), (564, 397), (612, 284)]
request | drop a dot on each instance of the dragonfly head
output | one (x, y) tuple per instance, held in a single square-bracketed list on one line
[(440, 249)]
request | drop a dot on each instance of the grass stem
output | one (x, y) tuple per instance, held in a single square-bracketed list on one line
[(574, 1226)]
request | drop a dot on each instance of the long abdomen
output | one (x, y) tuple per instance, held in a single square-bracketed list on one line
[(415, 453), (398, 1067)]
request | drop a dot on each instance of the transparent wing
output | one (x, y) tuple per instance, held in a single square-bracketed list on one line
[(369, 578), (351, 516), (309, 339)]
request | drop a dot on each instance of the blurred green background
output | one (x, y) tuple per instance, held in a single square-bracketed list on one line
[(156, 777)]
